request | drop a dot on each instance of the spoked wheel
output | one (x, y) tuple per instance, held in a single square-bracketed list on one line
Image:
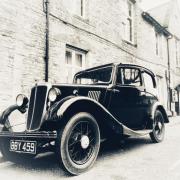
[(157, 135), (81, 142), (78, 143)]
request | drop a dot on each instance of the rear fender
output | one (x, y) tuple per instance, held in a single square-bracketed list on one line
[(159, 106)]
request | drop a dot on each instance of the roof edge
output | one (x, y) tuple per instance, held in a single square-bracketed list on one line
[(159, 28)]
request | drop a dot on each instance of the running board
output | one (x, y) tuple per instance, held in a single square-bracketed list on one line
[(130, 132)]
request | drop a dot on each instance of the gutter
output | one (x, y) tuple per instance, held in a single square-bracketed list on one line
[(159, 28)]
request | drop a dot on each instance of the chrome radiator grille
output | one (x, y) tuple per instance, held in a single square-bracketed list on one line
[(36, 107)]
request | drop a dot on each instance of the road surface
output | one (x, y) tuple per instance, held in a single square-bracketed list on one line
[(136, 158)]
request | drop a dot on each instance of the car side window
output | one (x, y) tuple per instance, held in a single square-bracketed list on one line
[(149, 83), (119, 77), (129, 76)]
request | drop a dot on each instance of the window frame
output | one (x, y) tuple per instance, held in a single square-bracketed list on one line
[(158, 43), (160, 86), (73, 66), (76, 8), (153, 80), (128, 23), (129, 85), (82, 9), (100, 68), (177, 49)]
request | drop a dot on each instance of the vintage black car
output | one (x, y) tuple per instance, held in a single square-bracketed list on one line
[(110, 101)]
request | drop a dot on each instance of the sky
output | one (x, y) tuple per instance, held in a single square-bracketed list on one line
[(148, 4)]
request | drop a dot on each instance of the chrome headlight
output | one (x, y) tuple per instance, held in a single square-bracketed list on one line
[(21, 100), (53, 94)]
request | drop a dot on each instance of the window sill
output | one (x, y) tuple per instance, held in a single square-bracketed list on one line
[(81, 18), (130, 43)]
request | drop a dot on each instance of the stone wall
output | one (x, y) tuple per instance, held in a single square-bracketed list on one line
[(100, 32), (21, 48)]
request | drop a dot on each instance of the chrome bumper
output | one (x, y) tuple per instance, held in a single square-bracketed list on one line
[(29, 135)]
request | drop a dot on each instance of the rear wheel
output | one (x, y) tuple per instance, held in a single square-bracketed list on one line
[(78, 143), (157, 135)]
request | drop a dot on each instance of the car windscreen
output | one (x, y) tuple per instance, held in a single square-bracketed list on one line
[(96, 76)]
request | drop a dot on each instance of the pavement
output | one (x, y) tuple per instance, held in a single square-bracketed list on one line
[(136, 158)]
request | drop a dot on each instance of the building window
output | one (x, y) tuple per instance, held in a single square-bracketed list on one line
[(76, 7), (79, 7), (160, 88), (158, 44), (74, 61), (128, 24), (177, 44)]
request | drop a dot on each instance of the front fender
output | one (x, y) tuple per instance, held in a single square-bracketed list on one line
[(70, 102), (106, 121), (6, 113), (75, 104), (4, 120)]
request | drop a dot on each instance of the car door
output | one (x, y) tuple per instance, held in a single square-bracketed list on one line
[(150, 89), (127, 97)]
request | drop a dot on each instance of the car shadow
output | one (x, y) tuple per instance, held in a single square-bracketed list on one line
[(125, 145), (47, 163), (2, 160)]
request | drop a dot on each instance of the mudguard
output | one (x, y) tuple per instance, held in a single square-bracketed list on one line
[(4, 121), (113, 123), (71, 101), (159, 106)]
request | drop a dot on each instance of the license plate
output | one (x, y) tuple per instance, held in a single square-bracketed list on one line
[(21, 146)]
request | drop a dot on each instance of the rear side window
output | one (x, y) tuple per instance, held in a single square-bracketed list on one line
[(149, 83), (129, 76)]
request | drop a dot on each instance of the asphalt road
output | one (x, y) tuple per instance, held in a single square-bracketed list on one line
[(136, 158)]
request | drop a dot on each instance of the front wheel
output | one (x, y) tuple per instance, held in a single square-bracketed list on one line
[(78, 143), (157, 135)]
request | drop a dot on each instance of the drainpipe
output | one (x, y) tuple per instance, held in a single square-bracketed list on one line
[(169, 72), (46, 57)]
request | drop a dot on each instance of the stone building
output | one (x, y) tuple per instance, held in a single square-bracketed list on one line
[(168, 17), (51, 40)]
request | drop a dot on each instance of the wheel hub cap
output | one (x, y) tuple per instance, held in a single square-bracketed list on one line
[(159, 125), (84, 142)]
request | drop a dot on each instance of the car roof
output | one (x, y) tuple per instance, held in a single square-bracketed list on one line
[(118, 64), (138, 66)]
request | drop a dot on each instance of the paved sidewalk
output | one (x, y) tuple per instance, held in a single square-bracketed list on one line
[(174, 118), (173, 121)]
